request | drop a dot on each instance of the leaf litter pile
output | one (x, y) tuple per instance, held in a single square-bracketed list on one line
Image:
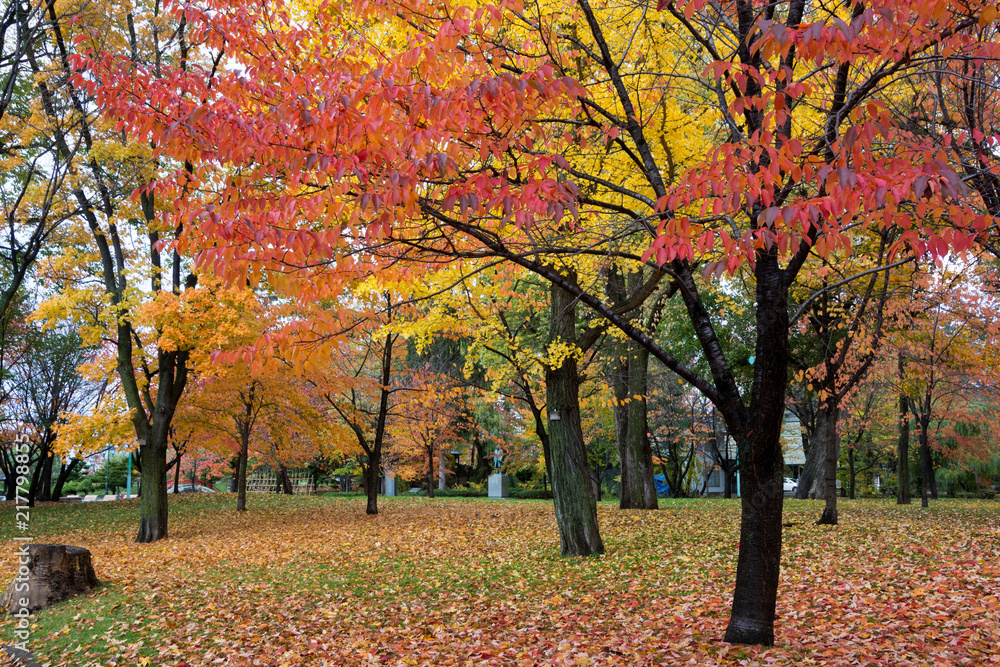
[(314, 581)]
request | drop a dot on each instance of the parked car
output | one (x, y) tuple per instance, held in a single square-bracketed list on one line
[(187, 488), (791, 485)]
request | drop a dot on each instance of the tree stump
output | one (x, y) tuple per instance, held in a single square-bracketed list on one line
[(47, 574)]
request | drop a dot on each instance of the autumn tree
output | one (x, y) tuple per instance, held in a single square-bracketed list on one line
[(357, 381), (38, 147), (237, 408), (944, 365), (869, 429), (136, 274), (427, 421), (845, 325), (49, 385), (440, 138)]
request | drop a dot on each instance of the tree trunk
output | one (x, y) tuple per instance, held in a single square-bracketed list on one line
[(177, 473), (575, 505), (8, 467), (926, 468), (826, 441), (241, 474), (543, 437), (64, 474), (618, 371), (153, 432), (153, 503), (52, 573), (933, 475), (762, 465), (812, 471), (629, 373), (635, 453), (903, 447), (482, 468), (374, 451), (430, 473), (45, 483), (286, 482), (36, 475), (371, 475)]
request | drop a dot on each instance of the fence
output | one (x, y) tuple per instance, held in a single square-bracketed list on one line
[(265, 480)]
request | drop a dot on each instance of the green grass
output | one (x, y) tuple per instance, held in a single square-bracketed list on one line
[(225, 582)]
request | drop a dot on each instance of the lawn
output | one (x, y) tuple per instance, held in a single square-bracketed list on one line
[(314, 581)]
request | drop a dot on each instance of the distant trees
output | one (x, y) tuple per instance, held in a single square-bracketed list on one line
[(44, 386)]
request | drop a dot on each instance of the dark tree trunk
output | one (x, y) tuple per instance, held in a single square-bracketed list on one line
[(430, 473), (53, 573), (286, 482), (635, 453), (629, 372), (64, 473), (933, 475), (153, 503), (762, 465), (45, 483), (153, 432), (373, 450), (826, 440), (36, 475), (177, 473), (482, 469), (618, 365), (371, 475), (903, 446), (812, 470), (241, 473), (575, 505), (543, 436), (8, 468), (926, 467)]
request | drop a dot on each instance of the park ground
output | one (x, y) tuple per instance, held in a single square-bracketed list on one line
[(314, 581)]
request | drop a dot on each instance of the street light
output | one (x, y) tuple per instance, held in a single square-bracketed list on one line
[(107, 468)]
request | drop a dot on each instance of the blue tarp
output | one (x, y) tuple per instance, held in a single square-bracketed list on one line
[(662, 487)]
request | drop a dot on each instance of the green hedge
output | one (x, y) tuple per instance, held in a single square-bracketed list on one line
[(531, 494)]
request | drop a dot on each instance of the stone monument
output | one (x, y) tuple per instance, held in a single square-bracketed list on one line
[(498, 482)]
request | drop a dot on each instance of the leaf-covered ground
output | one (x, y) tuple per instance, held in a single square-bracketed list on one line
[(314, 581)]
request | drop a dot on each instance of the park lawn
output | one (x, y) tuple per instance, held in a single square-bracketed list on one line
[(314, 581)]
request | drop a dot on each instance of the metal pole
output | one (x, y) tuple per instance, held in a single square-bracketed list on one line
[(107, 468), (128, 482)]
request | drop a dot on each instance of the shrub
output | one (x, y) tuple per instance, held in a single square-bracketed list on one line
[(458, 492), (531, 494)]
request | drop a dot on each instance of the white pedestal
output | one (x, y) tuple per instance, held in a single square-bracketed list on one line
[(498, 486)]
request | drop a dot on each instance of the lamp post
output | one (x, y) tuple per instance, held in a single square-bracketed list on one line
[(107, 467)]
